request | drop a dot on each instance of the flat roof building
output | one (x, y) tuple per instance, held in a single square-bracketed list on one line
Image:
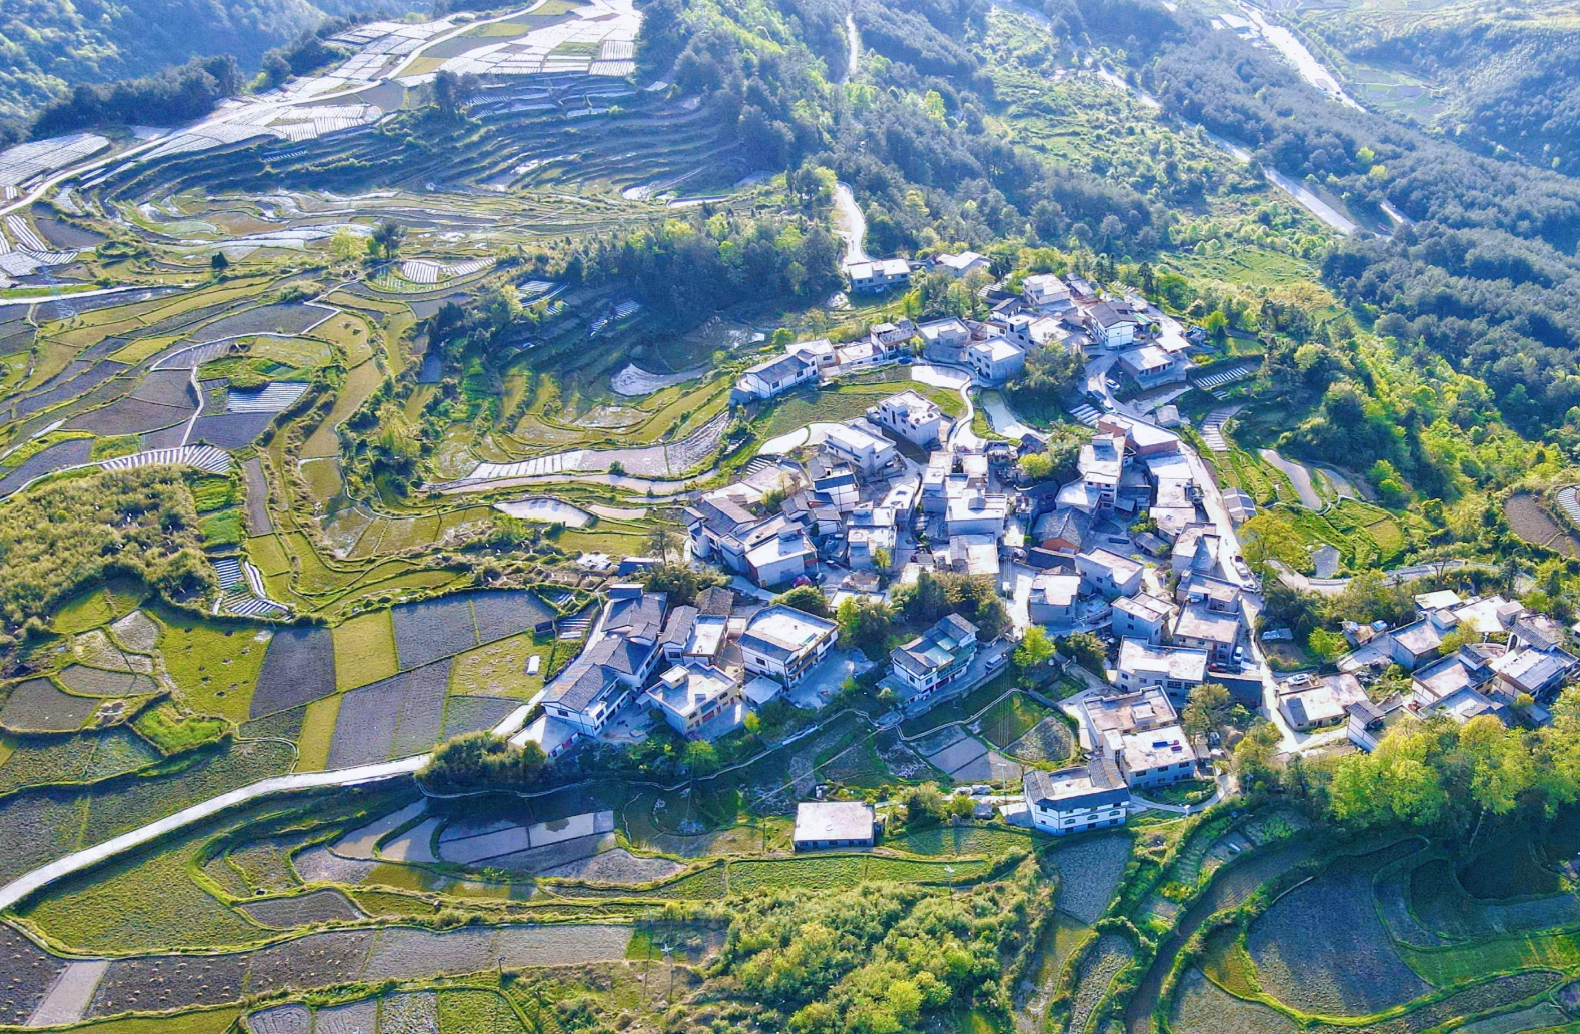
[(824, 824)]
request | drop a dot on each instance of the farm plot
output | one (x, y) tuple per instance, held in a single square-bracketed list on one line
[(319, 906), (288, 319), (1102, 964), (95, 649), (1202, 1007), (1441, 904), (476, 1012), (504, 613), (1089, 874), (51, 458), (1323, 949), (282, 1019), (364, 650), (126, 804), (410, 1013), (26, 974), (1497, 993), (320, 865), (38, 826), (617, 866), (168, 982), (214, 664), (429, 630), (36, 705), (230, 431), (316, 960), (96, 682), (68, 999), (1047, 742), (351, 1018), (298, 668), (264, 865), (1010, 719), (85, 756), (394, 717), (463, 714)]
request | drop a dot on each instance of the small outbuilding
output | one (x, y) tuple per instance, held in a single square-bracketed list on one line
[(822, 824)]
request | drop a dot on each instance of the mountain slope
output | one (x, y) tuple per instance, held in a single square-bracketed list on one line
[(47, 46)]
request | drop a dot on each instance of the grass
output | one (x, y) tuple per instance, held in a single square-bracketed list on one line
[(144, 902), (1011, 718), (222, 528), (84, 611), (205, 1021), (214, 664), (318, 730), (960, 708), (849, 398), (500, 668), (364, 650), (173, 732)]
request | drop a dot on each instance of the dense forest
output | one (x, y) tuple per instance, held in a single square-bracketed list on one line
[(1507, 86), (49, 46)]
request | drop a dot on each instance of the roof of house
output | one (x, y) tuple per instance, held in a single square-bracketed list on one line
[(1126, 712), (1534, 670), (855, 440), (1103, 456), (782, 632), (878, 267), (1419, 637), (1447, 675), (937, 647), (1105, 314), (686, 689), (1055, 590), (1174, 662), (1092, 785), (997, 350), (677, 629), (717, 600), (1322, 701), (1145, 607), (833, 820), (1065, 522), (788, 364), (961, 261), (578, 694), (1120, 568), (1195, 621), (1442, 599), (1156, 748)]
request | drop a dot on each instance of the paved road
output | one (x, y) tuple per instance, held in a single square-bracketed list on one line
[(850, 222), (1334, 586), (1298, 476)]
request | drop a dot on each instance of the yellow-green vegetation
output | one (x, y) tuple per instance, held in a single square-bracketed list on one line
[(850, 397), (500, 668), (364, 649), (318, 730), (142, 902), (172, 732), (221, 1020), (65, 533), (1366, 536), (214, 664), (86, 610)]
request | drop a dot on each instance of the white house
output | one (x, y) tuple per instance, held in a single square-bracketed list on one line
[(1109, 573), (1156, 758), (691, 695), (1151, 366), (975, 512), (1053, 599), (995, 360), (1101, 463), (945, 341), (782, 642), (819, 352), (602, 679), (1143, 617), (1045, 291), (778, 374), (1076, 799), (912, 416), (861, 448), (936, 657), (878, 274), (1111, 327), (1177, 671)]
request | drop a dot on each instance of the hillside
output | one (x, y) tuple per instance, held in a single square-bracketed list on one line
[(1503, 78), (48, 46)]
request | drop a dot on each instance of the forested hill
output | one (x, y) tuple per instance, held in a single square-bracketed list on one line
[(47, 46)]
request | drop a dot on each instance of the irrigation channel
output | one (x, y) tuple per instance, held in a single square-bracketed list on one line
[(1231, 886)]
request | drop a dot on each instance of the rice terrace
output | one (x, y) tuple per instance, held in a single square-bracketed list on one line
[(805, 516)]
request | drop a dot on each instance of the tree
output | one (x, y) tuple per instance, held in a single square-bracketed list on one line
[(219, 263), (1035, 648), (1327, 645), (923, 803), (1254, 758), (681, 581), (451, 92), (809, 599), (701, 758), (387, 239), (866, 624), (1207, 709), (1086, 649), (662, 536), (345, 246)]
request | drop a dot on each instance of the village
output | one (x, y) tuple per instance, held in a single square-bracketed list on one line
[(1138, 549)]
